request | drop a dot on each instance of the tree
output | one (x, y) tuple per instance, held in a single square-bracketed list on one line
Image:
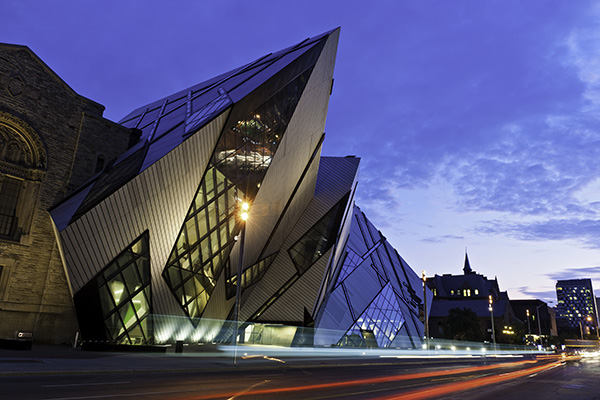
[(463, 324)]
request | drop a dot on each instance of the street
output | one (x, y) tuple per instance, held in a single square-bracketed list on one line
[(545, 378)]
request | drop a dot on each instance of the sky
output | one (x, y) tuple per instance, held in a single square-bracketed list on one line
[(477, 122)]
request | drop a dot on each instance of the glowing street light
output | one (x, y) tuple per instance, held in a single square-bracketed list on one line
[(425, 309), (243, 213), (537, 310), (492, 318), (589, 319)]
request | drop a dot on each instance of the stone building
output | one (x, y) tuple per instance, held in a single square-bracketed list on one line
[(52, 140), (469, 291)]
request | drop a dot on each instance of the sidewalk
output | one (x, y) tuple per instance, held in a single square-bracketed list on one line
[(66, 360)]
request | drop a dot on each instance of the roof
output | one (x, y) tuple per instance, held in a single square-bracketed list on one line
[(441, 308), (95, 107), (166, 123), (444, 284)]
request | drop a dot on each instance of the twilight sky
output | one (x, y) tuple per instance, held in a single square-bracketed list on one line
[(477, 122)]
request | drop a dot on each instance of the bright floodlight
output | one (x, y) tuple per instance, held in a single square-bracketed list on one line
[(244, 215), (245, 206)]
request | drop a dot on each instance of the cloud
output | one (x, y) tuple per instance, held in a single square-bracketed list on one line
[(592, 273), (442, 238), (549, 296), (503, 114), (586, 231)]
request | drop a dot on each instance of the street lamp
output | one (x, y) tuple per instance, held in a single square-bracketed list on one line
[(589, 319), (243, 216), (597, 322), (492, 318), (425, 308), (528, 326), (537, 311)]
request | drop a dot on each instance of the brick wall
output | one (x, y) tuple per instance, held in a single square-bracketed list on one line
[(34, 294)]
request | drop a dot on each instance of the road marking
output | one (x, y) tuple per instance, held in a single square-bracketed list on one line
[(119, 395), (85, 384), (249, 388)]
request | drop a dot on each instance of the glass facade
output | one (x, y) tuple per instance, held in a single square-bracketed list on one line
[(309, 248), (237, 168), (383, 318), (351, 261), (374, 297), (250, 276), (306, 251), (123, 292)]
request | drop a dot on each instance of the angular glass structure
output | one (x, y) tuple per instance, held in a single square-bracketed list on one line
[(238, 166), (124, 296), (382, 317), (375, 294), (250, 275), (153, 236), (318, 239)]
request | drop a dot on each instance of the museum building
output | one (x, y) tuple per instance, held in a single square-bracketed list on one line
[(155, 250)]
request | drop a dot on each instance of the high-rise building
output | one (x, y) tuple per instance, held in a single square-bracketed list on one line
[(576, 304), (155, 249)]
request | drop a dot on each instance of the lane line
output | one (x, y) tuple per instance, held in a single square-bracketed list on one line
[(85, 384), (248, 389)]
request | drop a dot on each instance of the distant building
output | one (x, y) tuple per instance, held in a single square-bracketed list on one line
[(541, 319), (469, 290), (576, 304)]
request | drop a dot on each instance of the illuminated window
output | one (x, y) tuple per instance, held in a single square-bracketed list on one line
[(124, 293), (238, 165), (250, 276), (476, 292)]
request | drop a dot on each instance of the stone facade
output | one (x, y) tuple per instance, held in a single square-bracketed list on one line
[(51, 141)]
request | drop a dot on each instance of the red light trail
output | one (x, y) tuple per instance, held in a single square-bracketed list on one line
[(423, 393)]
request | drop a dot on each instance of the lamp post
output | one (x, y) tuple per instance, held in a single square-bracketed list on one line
[(243, 216), (597, 322), (492, 318), (425, 309), (589, 319), (537, 311), (528, 325)]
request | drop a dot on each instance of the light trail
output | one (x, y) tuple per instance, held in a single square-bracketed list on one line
[(369, 381), (449, 388)]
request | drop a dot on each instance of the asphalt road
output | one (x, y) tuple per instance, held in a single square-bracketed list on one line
[(577, 380), (381, 380)]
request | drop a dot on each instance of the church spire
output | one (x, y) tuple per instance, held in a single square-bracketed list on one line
[(467, 268)]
